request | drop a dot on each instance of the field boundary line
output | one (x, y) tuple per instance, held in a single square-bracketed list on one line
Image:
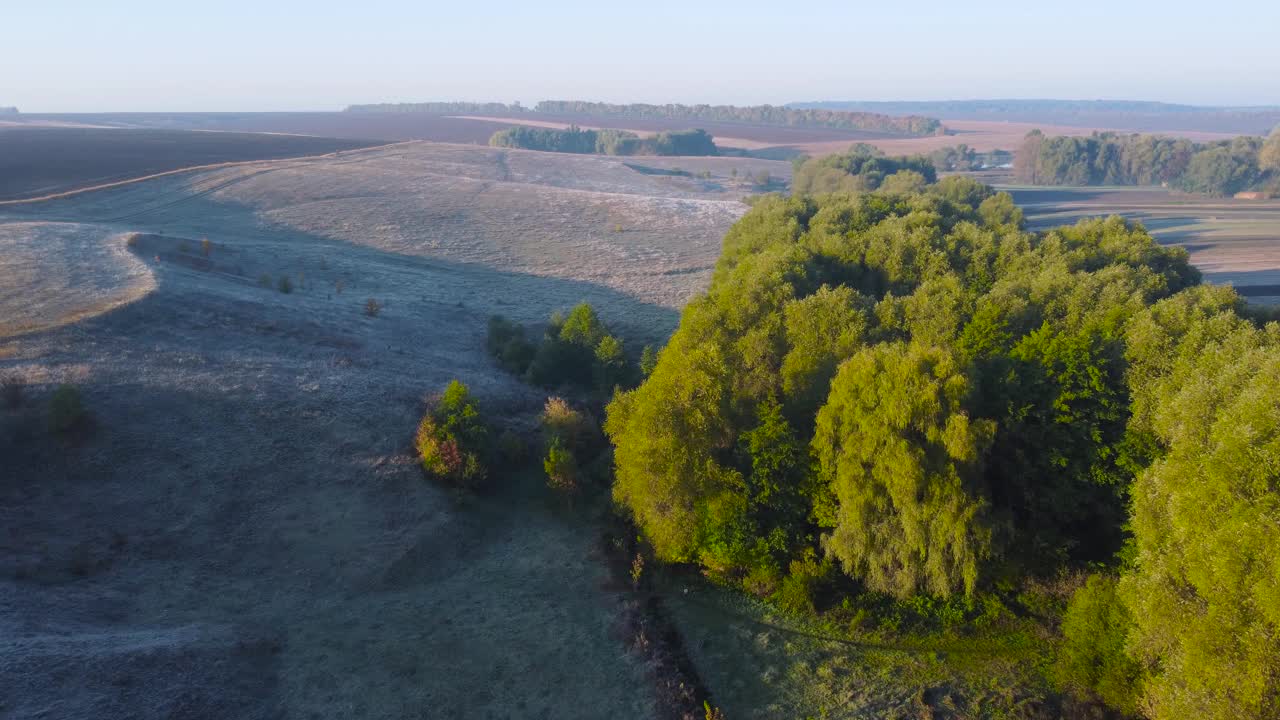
[(193, 168)]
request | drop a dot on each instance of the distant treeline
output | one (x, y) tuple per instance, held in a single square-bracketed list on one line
[(471, 108), (1218, 168), (952, 107), (8, 111), (755, 114), (605, 141)]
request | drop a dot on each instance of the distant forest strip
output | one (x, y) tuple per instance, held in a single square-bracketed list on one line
[(438, 107), (950, 107), (605, 142), (1220, 168), (754, 114), (10, 110)]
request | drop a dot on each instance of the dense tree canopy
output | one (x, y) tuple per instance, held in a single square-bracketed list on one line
[(1204, 589), (1219, 168), (912, 385), (862, 168), (977, 417)]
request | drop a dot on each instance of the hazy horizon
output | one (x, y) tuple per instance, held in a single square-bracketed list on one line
[(149, 56)]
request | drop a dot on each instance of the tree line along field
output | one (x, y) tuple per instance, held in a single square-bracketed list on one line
[(42, 161)]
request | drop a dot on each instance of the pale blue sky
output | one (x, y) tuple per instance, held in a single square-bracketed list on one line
[(77, 55)]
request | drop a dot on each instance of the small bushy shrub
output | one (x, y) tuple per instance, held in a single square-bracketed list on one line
[(798, 590), (453, 440), (372, 307), (66, 409), (561, 468), (576, 349), (507, 344), (284, 284), (1091, 658), (560, 421), (512, 449)]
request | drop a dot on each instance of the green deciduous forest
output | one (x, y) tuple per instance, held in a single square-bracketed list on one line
[(894, 390), (606, 141), (862, 168), (1219, 168)]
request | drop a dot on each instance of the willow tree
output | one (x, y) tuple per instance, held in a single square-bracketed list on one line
[(1204, 589), (905, 462)]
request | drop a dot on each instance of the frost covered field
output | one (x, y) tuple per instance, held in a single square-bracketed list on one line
[(244, 533)]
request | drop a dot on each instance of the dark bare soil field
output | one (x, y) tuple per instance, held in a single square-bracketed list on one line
[(1230, 241), (360, 126), (397, 126), (38, 161)]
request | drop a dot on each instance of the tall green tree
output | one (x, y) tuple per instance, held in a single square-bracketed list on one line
[(905, 462)]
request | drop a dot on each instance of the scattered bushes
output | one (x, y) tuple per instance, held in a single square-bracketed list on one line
[(576, 349), (453, 440)]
